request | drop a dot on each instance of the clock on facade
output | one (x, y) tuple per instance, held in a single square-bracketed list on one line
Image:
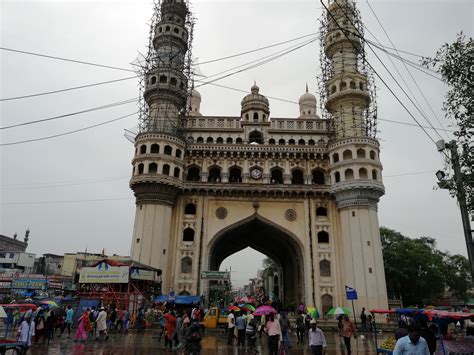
[(256, 174)]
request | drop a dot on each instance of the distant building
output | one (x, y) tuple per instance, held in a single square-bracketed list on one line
[(13, 244), (49, 264), (16, 262)]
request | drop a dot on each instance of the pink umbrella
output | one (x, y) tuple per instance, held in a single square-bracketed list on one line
[(264, 310)]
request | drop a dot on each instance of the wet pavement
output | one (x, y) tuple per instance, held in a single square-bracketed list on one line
[(212, 344)]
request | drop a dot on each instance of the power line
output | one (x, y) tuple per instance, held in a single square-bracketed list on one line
[(67, 89), (399, 50), (70, 132), (406, 68), (409, 174), (64, 201), (65, 59), (72, 114), (61, 184), (413, 125)]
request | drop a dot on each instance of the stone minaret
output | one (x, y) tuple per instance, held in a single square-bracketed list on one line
[(355, 168), (158, 163)]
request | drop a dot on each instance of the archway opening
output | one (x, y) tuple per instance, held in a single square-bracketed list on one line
[(276, 243)]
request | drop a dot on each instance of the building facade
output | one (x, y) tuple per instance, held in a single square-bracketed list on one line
[(302, 190)]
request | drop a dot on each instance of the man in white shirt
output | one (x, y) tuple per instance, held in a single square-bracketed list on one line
[(412, 344), (230, 328), (317, 340)]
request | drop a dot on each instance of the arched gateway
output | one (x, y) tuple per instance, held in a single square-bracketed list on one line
[(270, 239), (303, 190)]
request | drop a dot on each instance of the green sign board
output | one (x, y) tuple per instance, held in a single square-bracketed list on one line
[(215, 275)]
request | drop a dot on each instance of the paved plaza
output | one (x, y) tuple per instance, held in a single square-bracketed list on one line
[(213, 344)]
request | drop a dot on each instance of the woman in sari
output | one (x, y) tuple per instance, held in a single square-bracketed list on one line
[(84, 326)]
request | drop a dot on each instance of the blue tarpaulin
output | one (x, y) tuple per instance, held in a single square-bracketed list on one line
[(178, 299)]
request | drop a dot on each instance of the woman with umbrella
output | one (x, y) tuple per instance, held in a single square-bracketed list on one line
[(348, 331)]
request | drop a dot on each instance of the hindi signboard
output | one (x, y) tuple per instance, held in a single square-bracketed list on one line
[(215, 275), (104, 274), (142, 274)]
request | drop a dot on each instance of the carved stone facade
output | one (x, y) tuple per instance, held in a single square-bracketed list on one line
[(290, 188)]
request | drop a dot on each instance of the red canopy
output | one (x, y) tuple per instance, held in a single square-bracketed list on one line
[(22, 306), (383, 311), (433, 313)]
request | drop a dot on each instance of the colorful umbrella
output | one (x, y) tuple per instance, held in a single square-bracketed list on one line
[(264, 310), (251, 300), (233, 308), (313, 312), (248, 307), (50, 303), (336, 311)]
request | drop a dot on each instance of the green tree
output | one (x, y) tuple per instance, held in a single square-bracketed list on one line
[(418, 272), (269, 263), (455, 63)]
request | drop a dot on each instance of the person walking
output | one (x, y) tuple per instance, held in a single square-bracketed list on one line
[(26, 331), (68, 321), (300, 328), (140, 317), (83, 326), (230, 328), (348, 331), (170, 331), (125, 320), (39, 322), (363, 320), (101, 324), (9, 321), (251, 334), (317, 340), (411, 344), (193, 337), (285, 329), (273, 330), (240, 324), (49, 325)]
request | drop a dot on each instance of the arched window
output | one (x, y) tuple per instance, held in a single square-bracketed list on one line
[(163, 79), (374, 174), (311, 142), (361, 85), (323, 237), (271, 141), (255, 137), (214, 174), (188, 235), (335, 158), (318, 177), (349, 175), (176, 172), (352, 85), (168, 150), (193, 174), (168, 28), (238, 141), (347, 154), (143, 149), (333, 89), (210, 140), (155, 148), (361, 153), (235, 174), (190, 208), (166, 169), (342, 86), (178, 153), (173, 81), (301, 142), (140, 168), (325, 268), (186, 265), (277, 176), (281, 142), (229, 140), (321, 212), (220, 140), (200, 140), (362, 173), (176, 30), (291, 142), (255, 117), (184, 293), (153, 80), (337, 176), (297, 177), (246, 116), (326, 303), (152, 168), (372, 155)]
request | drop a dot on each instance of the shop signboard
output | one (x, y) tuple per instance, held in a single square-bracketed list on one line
[(142, 274), (104, 274), (29, 283)]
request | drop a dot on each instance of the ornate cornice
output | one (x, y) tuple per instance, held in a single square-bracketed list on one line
[(358, 193)]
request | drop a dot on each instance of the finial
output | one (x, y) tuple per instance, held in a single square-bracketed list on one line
[(15, 235), (306, 87)]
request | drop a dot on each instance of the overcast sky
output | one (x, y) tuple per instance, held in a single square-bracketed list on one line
[(72, 191)]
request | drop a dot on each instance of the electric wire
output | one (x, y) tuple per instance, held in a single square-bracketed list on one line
[(406, 68), (114, 104), (69, 132), (376, 73), (67, 89), (64, 201)]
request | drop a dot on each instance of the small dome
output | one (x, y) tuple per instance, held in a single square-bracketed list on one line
[(255, 100), (307, 104), (195, 94), (307, 97), (194, 103)]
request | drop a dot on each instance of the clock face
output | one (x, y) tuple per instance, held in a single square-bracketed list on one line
[(256, 174)]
